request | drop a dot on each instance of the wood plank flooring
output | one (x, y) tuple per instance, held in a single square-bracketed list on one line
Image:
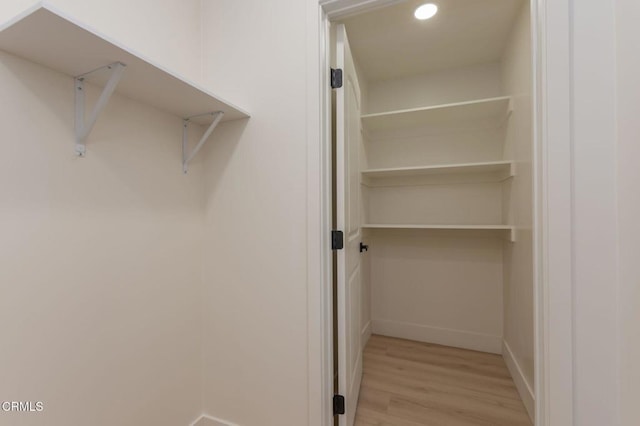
[(408, 383)]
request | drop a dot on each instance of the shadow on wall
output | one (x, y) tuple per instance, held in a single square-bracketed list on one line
[(218, 153), (55, 90)]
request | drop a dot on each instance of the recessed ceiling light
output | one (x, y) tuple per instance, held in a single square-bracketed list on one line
[(426, 11)]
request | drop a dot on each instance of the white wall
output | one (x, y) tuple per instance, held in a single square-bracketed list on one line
[(100, 256), (443, 204), (255, 302), (595, 236), (441, 87), (438, 287), (628, 153), (518, 204)]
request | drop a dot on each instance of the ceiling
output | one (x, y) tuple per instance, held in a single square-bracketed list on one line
[(390, 43)]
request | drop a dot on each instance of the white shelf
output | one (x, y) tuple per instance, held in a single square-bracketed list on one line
[(500, 169), (511, 229), (47, 37), (481, 109)]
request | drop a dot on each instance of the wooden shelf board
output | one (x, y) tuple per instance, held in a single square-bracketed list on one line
[(48, 37), (503, 169), (481, 109), (511, 229)]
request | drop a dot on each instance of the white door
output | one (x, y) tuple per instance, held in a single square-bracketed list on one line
[(348, 135)]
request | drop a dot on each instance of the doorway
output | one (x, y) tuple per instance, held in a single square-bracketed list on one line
[(434, 172)]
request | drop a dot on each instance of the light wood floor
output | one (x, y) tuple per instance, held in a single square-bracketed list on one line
[(409, 383)]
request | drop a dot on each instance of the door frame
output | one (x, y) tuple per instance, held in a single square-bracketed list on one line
[(553, 207)]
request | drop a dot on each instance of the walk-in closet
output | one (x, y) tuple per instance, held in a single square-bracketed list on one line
[(434, 189)]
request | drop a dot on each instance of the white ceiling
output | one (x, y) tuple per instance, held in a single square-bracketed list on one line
[(390, 43)]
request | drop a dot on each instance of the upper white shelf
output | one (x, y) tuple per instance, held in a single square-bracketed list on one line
[(481, 109), (510, 229), (500, 169), (48, 37)]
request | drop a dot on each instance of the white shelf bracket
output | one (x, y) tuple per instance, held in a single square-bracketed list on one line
[(83, 129), (188, 156)]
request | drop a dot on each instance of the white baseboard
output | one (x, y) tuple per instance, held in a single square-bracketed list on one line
[(365, 334), (206, 420), (524, 388), (441, 336)]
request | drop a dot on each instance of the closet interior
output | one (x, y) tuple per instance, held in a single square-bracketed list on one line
[(445, 172)]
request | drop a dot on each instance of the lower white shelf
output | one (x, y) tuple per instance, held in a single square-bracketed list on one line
[(500, 169), (510, 229)]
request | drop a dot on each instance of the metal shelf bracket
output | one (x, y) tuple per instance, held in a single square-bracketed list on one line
[(186, 156), (84, 128)]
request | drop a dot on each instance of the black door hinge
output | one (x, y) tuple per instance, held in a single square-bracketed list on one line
[(336, 78), (338, 404), (337, 240)]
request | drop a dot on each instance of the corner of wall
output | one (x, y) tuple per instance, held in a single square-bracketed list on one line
[(522, 385)]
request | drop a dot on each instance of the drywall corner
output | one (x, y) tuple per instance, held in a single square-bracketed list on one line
[(522, 384)]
